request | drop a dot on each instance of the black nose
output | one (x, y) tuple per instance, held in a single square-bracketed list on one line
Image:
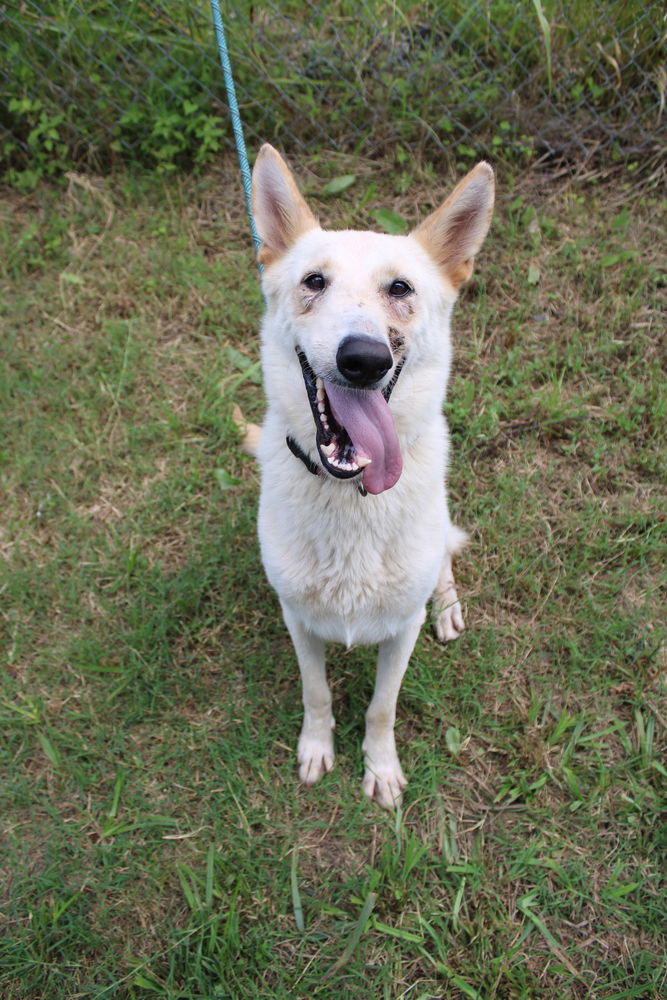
[(363, 360)]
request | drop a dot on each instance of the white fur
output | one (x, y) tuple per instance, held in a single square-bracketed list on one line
[(346, 567)]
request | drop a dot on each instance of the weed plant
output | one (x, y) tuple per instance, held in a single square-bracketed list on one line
[(155, 841), (140, 82)]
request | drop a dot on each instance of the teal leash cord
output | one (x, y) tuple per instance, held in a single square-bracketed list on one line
[(236, 119)]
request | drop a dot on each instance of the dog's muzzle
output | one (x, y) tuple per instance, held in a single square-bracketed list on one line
[(355, 433)]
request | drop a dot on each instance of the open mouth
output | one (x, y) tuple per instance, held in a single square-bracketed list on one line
[(355, 431)]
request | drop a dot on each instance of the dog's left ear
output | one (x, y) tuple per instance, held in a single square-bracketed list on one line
[(280, 210), (453, 234)]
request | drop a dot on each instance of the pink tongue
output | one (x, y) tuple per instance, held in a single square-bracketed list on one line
[(367, 419)]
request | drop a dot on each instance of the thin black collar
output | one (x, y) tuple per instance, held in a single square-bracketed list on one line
[(300, 453), (313, 467)]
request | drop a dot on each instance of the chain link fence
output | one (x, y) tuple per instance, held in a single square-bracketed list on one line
[(93, 84)]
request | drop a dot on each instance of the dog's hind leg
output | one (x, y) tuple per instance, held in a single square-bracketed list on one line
[(315, 751), (447, 614), (383, 777)]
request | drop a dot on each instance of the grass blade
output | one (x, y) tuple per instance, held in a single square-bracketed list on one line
[(49, 749), (396, 932), (115, 798), (296, 896), (545, 28), (355, 936), (525, 904), (210, 863)]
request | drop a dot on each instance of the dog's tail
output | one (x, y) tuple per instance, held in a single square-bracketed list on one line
[(250, 433)]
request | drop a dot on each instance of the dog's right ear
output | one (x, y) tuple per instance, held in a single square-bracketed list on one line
[(281, 214)]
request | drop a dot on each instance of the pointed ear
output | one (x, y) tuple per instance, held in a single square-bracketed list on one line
[(281, 214), (453, 234)]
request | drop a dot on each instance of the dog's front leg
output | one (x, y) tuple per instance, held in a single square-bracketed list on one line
[(383, 777), (315, 752)]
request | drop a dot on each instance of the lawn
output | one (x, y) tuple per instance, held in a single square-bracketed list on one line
[(155, 840)]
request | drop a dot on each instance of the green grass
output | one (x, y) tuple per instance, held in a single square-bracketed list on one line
[(156, 842)]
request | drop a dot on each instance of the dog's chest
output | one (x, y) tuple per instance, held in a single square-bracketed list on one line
[(351, 566), (348, 562)]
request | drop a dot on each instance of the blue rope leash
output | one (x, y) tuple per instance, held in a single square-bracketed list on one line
[(236, 119)]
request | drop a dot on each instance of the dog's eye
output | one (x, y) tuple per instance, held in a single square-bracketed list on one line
[(315, 282), (399, 289)]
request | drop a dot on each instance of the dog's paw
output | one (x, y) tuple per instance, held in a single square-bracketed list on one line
[(315, 755), (448, 617), (384, 782)]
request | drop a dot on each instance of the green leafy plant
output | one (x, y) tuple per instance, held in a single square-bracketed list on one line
[(89, 85)]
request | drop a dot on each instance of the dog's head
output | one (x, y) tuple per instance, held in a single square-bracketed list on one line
[(356, 307)]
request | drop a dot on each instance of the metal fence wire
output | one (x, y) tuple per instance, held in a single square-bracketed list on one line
[(92, 84)]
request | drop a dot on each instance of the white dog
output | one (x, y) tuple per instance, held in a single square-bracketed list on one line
[(354, 528)]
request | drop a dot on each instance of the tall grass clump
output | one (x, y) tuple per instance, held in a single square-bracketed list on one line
[(95, 84)]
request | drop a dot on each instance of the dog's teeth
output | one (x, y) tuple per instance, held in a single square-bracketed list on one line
[(328, 449), (320, 406), (320, 391), (363, 462)]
